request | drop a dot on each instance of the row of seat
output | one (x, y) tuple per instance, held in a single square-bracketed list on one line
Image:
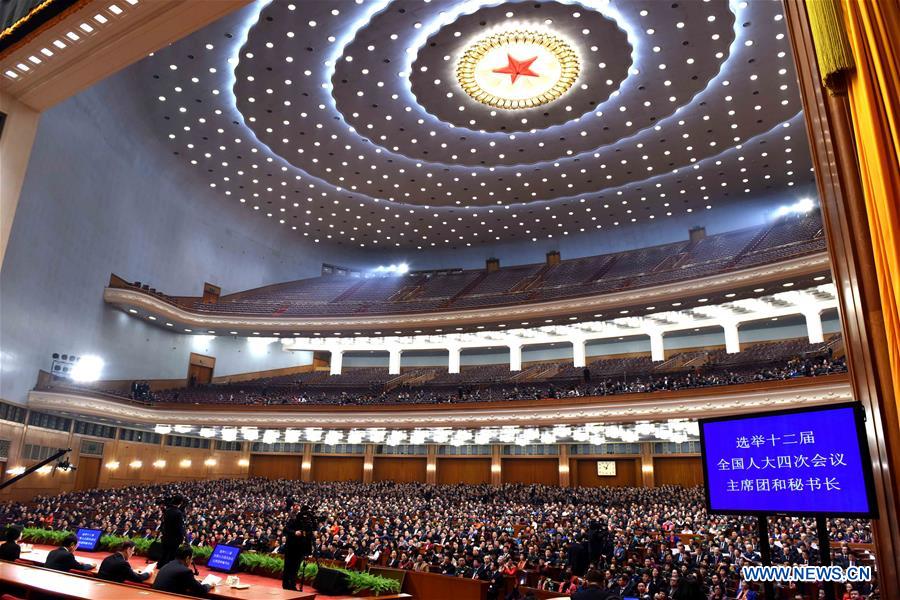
[(423, 292)]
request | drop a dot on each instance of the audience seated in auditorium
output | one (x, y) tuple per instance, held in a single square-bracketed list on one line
[(471, 531), (556, 387)]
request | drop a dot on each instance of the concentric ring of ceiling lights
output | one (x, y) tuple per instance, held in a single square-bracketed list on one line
[(335, 119), (545, 70)]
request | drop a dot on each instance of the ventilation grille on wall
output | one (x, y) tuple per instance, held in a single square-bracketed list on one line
[(404, 449), (91, 448), (35, 452)]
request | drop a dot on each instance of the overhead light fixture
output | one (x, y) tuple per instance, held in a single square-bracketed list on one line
[(87, 369)]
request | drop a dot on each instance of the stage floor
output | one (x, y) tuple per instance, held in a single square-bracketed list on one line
[(258, 583)]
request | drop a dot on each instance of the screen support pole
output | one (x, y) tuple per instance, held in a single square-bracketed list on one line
[(825, 552), (762, 525)]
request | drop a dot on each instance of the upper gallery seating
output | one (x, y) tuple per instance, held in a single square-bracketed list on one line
[(423, 292), (766, 361)]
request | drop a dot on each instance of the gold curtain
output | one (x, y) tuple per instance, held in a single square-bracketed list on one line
[(873, 30)]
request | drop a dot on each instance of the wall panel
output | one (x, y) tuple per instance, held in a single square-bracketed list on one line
[(87, 476), (677, 470), (531, 470), (337, 468), (463, 470), (274, 466), (391, 468), (584, 473)]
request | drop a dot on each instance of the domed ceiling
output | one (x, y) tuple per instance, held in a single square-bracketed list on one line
[(415, 125)]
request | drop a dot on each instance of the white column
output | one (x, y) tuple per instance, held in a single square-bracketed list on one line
[(515, 357), (657, 349), (732, 341), (814, 326), (337, 359), (394, 361), (453, 359), (578, 353)]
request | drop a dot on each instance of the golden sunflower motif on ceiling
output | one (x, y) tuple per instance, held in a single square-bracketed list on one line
[(518, 69)]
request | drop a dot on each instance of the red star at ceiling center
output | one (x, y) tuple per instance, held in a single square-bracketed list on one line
[(517, 68)]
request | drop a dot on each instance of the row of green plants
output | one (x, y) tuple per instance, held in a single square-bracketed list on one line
[(253, 562)]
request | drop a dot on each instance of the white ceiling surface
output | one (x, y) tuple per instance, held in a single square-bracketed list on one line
[(344, 121)]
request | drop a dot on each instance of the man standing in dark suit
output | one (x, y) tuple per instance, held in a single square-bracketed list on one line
[(578, 556), (172, 529), (116, 567), (62, 558), (178, 577), (298, 545)]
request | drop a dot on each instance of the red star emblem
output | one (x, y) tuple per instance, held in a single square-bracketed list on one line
[(517, 68)]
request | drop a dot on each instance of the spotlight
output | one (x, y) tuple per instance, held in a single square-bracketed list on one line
[(800, 207), (88, 368)]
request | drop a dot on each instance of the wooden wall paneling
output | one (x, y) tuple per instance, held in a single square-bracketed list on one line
[(39, 483), (584, 472), (678, 470), (275, 466), (544, 471), (463, 470), (87, 475), (337, 468), (393, 468)]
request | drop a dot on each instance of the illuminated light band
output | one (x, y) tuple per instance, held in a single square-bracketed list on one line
[(469, 69)]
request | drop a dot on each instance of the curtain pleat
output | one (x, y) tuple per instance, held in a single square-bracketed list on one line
[(873, 30)]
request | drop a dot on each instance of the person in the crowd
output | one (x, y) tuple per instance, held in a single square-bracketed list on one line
[(63, 558), (177, 576), (747, 592), (10, 549), (116, 567), (593, 587), (172, 530)]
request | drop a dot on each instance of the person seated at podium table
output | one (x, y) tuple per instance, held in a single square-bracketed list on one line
[(63, 559), (592, 589), (116, 567), (177, 577), (10, 550)]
